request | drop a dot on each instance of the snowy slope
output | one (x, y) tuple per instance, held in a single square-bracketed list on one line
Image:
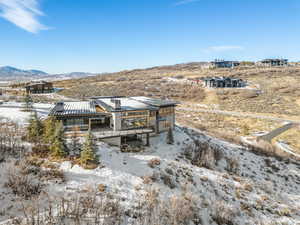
[(123, 173), (14, 111), (262, 190)]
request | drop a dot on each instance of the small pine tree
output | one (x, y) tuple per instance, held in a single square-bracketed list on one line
[(28, 103), (75, 145), (88, 153), (49, 129), (170, 137), (58, 148), (35, 128)]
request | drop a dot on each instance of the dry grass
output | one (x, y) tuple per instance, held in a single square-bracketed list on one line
[(216, 123), (292, 138), (276, 93)]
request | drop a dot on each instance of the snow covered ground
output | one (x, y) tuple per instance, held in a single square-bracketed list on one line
[(14, 111), (260, 190)]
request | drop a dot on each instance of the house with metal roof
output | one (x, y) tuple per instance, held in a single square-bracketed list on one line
[(219, 63), (39, 87), (274, 62), (224, 82), (117, 118)]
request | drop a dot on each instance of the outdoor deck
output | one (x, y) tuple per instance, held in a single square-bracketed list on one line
[(111, 134)]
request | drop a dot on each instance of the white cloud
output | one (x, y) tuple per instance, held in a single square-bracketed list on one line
[(184, 2), (22, 13), (224, 48)]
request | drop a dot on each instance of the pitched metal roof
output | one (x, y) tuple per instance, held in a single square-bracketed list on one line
[(108, 103), (73, 108)]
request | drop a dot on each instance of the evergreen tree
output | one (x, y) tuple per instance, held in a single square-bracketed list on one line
[(49, 129), (75, 145), (58, 148), (35, 128), (88, 153), (170, 137), (28, 103)]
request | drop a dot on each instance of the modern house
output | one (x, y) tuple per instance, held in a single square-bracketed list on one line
[(224, 64), (40, 87), (116, 119), (274, 62), (224, 82)]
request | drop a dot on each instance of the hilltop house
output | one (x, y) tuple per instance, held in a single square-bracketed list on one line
[(116, 119), (274, 62), (224, 82), (224, 64), (40, 87)]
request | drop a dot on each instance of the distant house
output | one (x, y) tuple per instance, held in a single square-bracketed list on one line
[(224, 64), (274, 62), (224, 82), (116, 119), (40, 87), (3, 87)]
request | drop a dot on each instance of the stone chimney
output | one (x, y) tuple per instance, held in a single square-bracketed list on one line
[(60, 106)]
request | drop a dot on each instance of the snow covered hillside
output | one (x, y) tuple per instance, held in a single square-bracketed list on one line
[(14, 111), (234, 186)]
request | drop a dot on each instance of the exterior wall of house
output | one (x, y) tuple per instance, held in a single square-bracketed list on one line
[(274, 62), (116, 121), (224, 64), (39, 88), (166, 118), (152, 122)]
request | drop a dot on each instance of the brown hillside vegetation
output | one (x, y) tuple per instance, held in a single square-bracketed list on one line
[(278, 89), (271, 92)]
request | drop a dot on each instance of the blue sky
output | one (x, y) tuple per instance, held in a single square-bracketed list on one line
[(111, 35)]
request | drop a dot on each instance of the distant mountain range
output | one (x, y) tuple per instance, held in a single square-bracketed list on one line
[(8, 71), (12, 73)]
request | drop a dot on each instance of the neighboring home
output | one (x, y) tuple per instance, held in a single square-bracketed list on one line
[(3, 87), (274, 62), (224, 64), (40, 87), (224, 82), (117, 119)]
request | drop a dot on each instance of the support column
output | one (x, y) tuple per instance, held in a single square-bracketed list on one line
[(90, 124), (147, 140)]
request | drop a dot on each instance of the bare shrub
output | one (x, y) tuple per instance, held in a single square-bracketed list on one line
[(89, 208), (101, 187), (40, 150), (23, 179), (267, 149), (168, 180), (53, 174), (11, 140), (232, 165), (202, 154), (176, 210), (224, 214), (154, 162)]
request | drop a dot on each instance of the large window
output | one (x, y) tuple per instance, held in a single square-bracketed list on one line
[(167, 110), (133, 123), (74, 122), (134, 113)]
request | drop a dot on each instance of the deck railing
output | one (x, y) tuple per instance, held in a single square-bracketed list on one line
[(105, 134)]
